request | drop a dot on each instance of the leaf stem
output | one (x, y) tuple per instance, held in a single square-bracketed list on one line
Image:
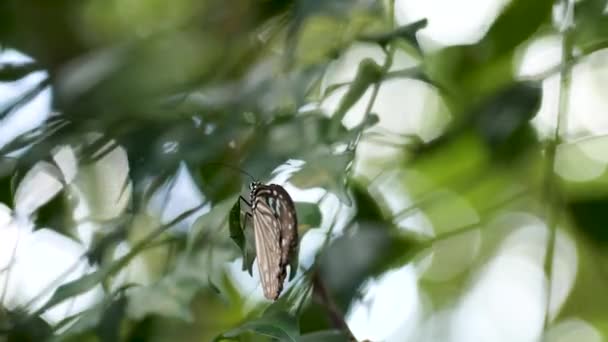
[(321, 294), (551, 194), (388, 62)]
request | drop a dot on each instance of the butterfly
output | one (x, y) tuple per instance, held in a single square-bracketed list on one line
[(275, 227)]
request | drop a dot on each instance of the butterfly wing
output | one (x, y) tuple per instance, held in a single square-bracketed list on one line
[(285, 212), (267, 232)]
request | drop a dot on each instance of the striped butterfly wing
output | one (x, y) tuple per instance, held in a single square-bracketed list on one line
[(285, 212), (276, 235), (267, 236)]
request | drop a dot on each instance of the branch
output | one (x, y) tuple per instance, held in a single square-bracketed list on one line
[(321, 295), (551, 192)]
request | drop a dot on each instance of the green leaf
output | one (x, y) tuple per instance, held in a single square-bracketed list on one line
[(12, 72), (76, 287), (177, 294), (416, 73), (353, 258), (250, 253), (21, 101), (326, 171), (279, 325), (325, 336), (82, 322), (587, 300), (27, 327), (503, 121), (590, 32), (322, 35), (472, 71), (117, 232), (368, 73), (213, 287), (590, 218), (497, 128), (292, 137), (210, 222), (105, 319), (242, 237), (170, 297), (88, 281), (406, 32), (109, 327), (294, 263), (309, 215), (517, 22), (293, 300), (234, 223), (8, 176), (368, 208)]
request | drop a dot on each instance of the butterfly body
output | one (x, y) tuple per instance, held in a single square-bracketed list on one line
[(276, 234)]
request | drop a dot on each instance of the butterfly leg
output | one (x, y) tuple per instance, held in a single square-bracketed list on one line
[(247, 217), (247, 212), (241, 198)]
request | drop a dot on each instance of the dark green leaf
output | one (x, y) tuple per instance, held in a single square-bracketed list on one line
[(250, 252), (500, 125), (52, 214), (367, 207), (279, 325), (325, 336), (75, 287), (368, 73), (213, 287), (503, 121), (81, 323), (109, 327), (104, 318), (12, 72), (590, 31), (205, 225), (294, 137), (242, 236), (89, 281), (590, 218), (353, 258), (470, 72), (518, 21), (407, 32), (27, 328), (416, 73), (23, 100), (314, 318), (326, 171), (8, 171), (234, 223), (293, 300), (170, 297), (294, 263), (117, 232), (333, 24), (309, 214)]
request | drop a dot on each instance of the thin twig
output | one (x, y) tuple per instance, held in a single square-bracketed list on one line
[(321, 294), (550, 182), (388, 62)]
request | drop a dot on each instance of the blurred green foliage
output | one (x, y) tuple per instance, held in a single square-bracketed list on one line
[(211, 83)]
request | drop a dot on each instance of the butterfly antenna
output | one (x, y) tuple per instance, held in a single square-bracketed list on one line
[(235, 168)]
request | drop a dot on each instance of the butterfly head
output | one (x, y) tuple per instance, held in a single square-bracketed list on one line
[(253, 187)]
